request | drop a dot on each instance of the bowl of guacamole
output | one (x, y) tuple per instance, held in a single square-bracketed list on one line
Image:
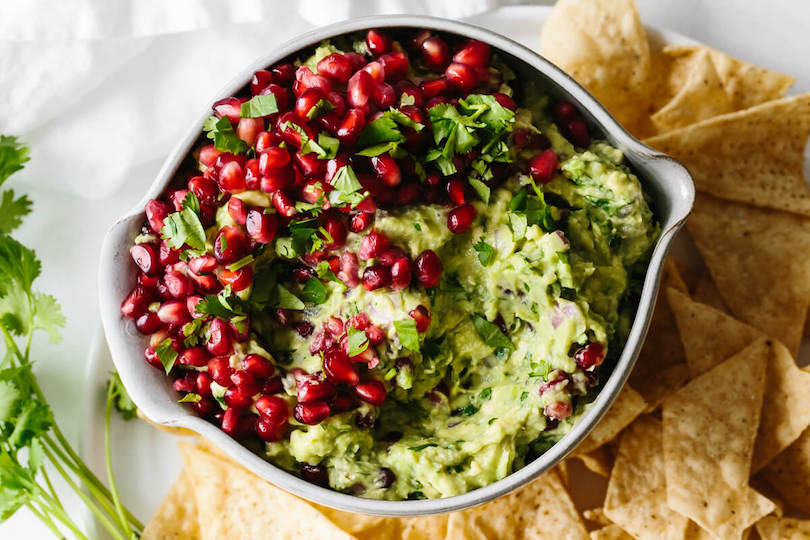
[(402, 266)]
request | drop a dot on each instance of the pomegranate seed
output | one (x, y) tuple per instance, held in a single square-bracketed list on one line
[(376, 70), (311, 413), (230, 422), (350, 126), (348, 269), (390, 256), (260, 80), (558, 410), (230, 107), (434, 88), (462, 76), (406, 87), (373, 245), (152, 358), (310, 164), (176, 198), (577, 131), (266, 140), (246, 382), (273, 408), (428, 268), (148, 323), (258, 366), (304, 328), (146, 258), (261, 227), (239, 280), (376, 276), (387, 169), (401, 274), (438, 100), (337, 230), (237, 209), (334, 326), (338, 367), (220, 370), (184, 384), (156, 212), (408, 193), (203, 384), (202, 264), (220, 341), (421, 315), (435, 53), (377, 42), (372, 392), (360, 221), (320, 343), (252, 176), (232, 177), (283, 73), (248, 129), (238, 399), (292, 135), (312, 191), (208, 155), (305, 104), (590, 355), (227, 157), (375, 334), (336, 67), (191, 305), (205, 189), (273, 158), (230, 245), (358, 90), (460, 218), (284, 204), (395, 64), (474, 53), (147, 282), (383, 96), (308, 80), (359, 321), (564, 111), (178, 285), (277, 179), (313, 389), (174, 313), (195, 356), (455, 190), (302, 274), (240, 330), (505, 101), (543, 165)]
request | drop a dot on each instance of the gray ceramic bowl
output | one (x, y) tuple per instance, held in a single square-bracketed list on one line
[(667, 182)]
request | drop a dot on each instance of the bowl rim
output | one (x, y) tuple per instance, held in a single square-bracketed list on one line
[(129, 362)]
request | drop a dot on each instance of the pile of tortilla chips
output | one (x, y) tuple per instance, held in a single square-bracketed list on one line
[(711, 438)]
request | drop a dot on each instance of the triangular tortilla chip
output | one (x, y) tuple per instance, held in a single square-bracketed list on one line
[(610, 532), (603, 45), (785, 409), (745, 84), (542, 509), (636, 498), (709, 336), (227, 493), (756, 259), (596, 516), (176, 518), (628, 405), (709, 430), (701, 96), (599, 461), (661, 366), (754, 156), (789, 473), (773, 528)]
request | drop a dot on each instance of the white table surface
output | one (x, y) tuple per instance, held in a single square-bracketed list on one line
[(100, 94)]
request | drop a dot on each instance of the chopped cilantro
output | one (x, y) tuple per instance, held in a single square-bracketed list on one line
[(224, 305), (184, 227), (384, 133), (417, 226), (322, 107), (485, 394), (486, 253), (524, 396), (241, 263), (357, 340), (469, 410), (518, 224), (314, 291), (166, 353), (221, 132), (422, 447), (285, 299), (491, 421), (347, 188), (324, 271), (408, 335), (480, 188), (490, 333), (258, 106), (191, 397)]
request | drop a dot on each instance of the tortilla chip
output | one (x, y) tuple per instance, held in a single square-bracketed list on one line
[(661, 366), (597, 517), (176, 518), (773, 528), (756, 259), (229, 493), (628, 405), (708, 439), (754, 156), (704, 349), (563, 473), (599, 461), (789, 473), (602, 44), (542, 509), (785, 409), (636, 498), (706, 293), (701, 96), (745, 84), (610, 532)]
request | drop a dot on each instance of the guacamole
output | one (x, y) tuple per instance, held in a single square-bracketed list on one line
[(396, 297)]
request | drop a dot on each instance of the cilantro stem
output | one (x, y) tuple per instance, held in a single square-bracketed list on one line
[(50, 487), (44, 518), (108, 460)]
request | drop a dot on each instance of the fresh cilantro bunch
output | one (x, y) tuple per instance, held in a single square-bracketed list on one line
[(32, 447)]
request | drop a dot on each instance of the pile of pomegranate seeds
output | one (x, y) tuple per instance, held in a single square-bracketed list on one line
[(303, 158)]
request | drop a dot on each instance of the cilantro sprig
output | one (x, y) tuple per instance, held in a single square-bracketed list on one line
[(32, 446)]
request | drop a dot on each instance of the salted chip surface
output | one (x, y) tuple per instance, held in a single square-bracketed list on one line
[(774, 528), (789, 473), (709, 336), (636, 498), (235, 503), (755, 258), (628, 406), (754, 156), (699, 96), (709, 427), (603, 45), (176, 518), (542, 509), (610, 532)]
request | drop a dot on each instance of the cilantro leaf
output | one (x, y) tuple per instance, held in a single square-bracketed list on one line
[(258, 106), (357, 341), (287, 300), (347, 188), (12, 211), (518, 224), (183, 228), (385, 131), (48, 316), (325, 148), (9, 394), (224, 305), (18, 264), (191, 397), (123, 403), (31, 419), (221, 132), (324, 271), (490, 333), (314, 291), (167, 355), (13, 156), (481, 188), (241, 263), (407, 333), (485, 394), (485, 252)]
